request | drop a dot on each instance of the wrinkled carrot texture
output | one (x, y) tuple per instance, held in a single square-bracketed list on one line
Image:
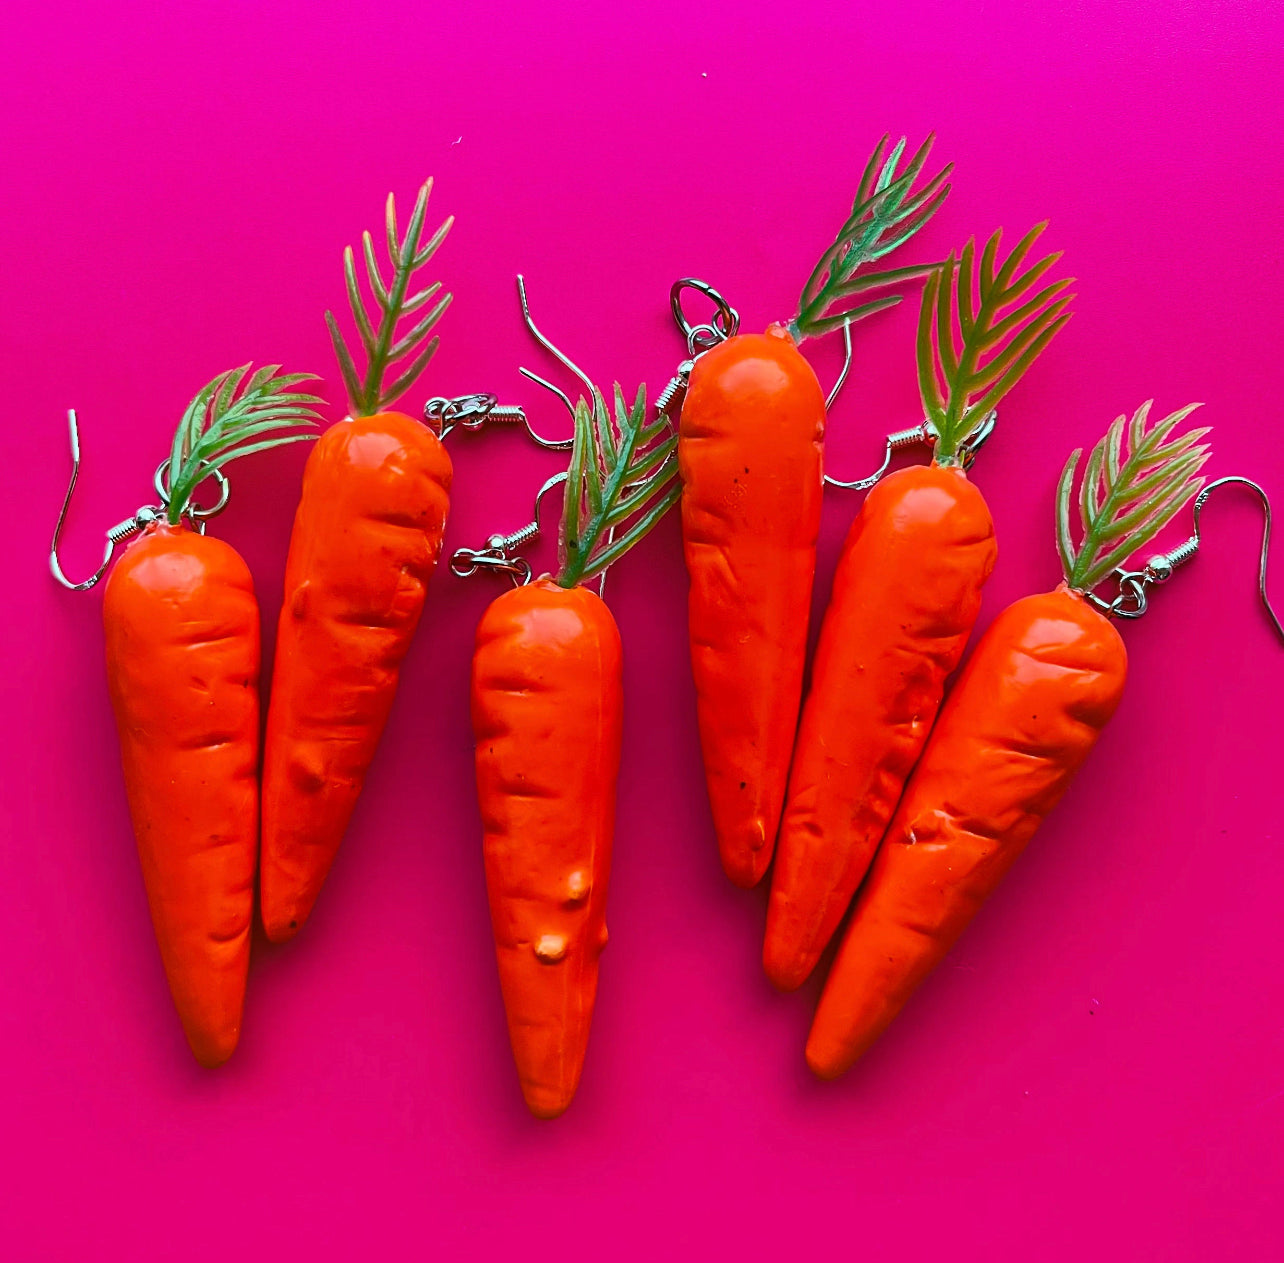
[(906, 593), (182, 633), (366, 538), (547, 708), (1029, 706), (749, 452)]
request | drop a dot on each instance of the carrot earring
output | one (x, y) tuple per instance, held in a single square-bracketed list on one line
[(182, 631), (364, 545), (1024, 715), (750, 449), (547, 716)]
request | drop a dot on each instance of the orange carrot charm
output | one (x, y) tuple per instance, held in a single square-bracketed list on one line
[(751, 446), (547, 711), (367, 534), (905, 596), (1028, 708), (182, 632)]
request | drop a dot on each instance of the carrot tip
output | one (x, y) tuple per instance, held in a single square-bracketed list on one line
[(822, 1068), (548, 1107), (746, 871), (784, 975), (212, 1050), (279, 930)]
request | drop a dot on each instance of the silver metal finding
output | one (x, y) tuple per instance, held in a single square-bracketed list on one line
[(1131, 600), (593, 395), (847, 364), (897, 441), (477, 412), (560, 356), (499, 553), (923, 433), (196, 512), (564, 444), (121, 531), (699, 338)]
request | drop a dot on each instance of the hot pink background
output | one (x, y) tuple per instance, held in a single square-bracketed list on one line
[(1098, 1071)]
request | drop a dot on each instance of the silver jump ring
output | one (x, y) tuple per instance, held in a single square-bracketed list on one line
[(193, 510), (726, 319), (468, 561), (1131, 601), (470, 411)]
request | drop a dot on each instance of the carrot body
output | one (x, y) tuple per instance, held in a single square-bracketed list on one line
[(547, 710), (906, 593), (182, 634), (1029, 706), (749, 452), (366, 539)]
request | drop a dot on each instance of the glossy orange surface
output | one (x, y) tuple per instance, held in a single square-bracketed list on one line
[(182, 633), (547, 707), (906, 593), (749, 451), (366, 539), (1028, 707)]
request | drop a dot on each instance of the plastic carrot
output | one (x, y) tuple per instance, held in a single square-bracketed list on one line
[(547, 710), (182, 632), (751, 447), (906, 593), (367, 534), (1028, 707)]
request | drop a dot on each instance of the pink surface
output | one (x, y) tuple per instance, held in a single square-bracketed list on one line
[(1097, 1071)]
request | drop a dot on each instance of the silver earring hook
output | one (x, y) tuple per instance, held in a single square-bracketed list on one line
[(498, 555), (476, 412), (1202, 498), (1132, 601), (563, 444), (121, 531), (594, 396), (560, 356), (847, 364), (922, 434)]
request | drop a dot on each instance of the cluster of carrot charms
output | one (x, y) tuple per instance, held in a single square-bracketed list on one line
[(850, 794), (860, 789), (182, 628)]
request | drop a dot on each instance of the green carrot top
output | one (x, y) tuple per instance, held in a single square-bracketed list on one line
[(971, 310), (886, 213), (621, 481), (1129, 493), (409, 353), (228, 419)]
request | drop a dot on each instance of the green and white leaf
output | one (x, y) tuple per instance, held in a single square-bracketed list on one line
[(235, 416), (404, 353), (886, 213), (623, 478), (979, 330), (1130, 491)]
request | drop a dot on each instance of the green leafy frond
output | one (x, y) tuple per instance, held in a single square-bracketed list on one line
[(1135, 480), (387, 351), (622, 480), (886, 213), (979, 330), (229, 419)]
